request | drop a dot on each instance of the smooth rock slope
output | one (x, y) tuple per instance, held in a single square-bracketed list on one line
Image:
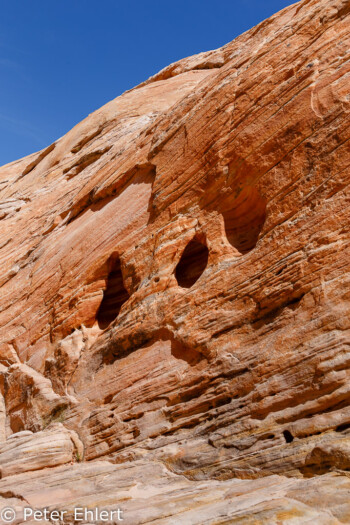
[(175, 292)]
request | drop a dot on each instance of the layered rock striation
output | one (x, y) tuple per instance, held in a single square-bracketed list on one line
[(175, 291)]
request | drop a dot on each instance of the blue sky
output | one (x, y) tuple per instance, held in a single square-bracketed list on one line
[(62, 59)]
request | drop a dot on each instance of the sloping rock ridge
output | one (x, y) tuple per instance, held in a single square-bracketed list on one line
[(175, 293)]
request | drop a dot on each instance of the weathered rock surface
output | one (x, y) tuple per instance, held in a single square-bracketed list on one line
[(25, 451), (175, 291), (148, 493)]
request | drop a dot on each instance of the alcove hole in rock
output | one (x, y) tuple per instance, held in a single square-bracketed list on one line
[(114, 296), (288, 436), (192, 264), (244, 221)]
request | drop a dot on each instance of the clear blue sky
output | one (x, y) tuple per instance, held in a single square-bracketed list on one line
[(62, 59)]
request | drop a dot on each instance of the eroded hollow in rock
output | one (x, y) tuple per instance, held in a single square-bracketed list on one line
[(192, 264), (114, 296), (288, 436), (244, 221)]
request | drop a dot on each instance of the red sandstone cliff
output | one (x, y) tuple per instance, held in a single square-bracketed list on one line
[(175, 292)]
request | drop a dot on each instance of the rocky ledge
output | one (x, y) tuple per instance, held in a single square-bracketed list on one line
[(175, 293)]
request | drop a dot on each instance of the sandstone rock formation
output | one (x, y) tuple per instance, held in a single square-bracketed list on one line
[(175, 292)]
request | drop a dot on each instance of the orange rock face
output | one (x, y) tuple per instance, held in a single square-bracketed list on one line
[(175, 291)]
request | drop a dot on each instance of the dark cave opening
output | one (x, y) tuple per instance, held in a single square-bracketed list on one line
[(114, 296), (288, 436), (192, 264)]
